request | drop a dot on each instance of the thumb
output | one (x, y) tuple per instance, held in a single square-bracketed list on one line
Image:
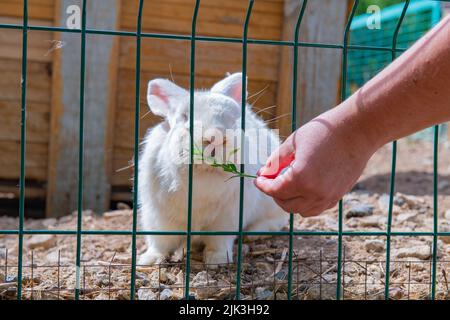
[(279, 159)]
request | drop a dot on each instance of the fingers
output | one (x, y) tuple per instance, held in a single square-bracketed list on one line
[(296, 205), (301, 206), (282, 187), (279, 159)]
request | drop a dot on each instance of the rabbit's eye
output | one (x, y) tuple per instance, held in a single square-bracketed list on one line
[(184, 117)]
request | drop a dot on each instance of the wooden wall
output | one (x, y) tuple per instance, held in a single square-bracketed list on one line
[(39, 97)]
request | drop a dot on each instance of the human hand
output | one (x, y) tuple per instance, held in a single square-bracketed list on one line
[(323, 160)]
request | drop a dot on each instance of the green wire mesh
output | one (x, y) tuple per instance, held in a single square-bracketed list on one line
[(353, 54), (420, 17)]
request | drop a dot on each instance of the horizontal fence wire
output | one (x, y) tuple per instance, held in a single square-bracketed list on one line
[(315, 278), (240, 233), (228, 233)]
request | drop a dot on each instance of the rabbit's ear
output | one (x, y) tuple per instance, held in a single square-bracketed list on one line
[(162, 94), (231, 86)]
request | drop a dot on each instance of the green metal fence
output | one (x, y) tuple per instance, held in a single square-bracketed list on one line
[(346, 47)]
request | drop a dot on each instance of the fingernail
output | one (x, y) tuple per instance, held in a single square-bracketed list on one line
[(267, 173)]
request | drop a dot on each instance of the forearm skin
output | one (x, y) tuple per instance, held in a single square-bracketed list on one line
[(411, 94)]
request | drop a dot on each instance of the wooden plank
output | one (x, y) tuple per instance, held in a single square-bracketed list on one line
[(38, 88), (158, 55), (212, 20), (39, 42), (275, 6), (101, 66), (36, 164), (319, 69), (12, 192), (220, 14), (37, 9), (38, 123)]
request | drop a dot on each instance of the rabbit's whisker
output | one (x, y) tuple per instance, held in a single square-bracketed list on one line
[(260, 96), (259, 92), (125, 168), (171, 74), (146, 114), (264, 110), (277, 118)]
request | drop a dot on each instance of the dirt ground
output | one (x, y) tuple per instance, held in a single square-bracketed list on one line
[(49, 271)]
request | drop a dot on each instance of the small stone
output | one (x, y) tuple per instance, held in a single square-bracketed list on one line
[(262, 293), (44, 241), (200, 279), (166, 294), (418, 252), (52, 257), (396, 293), (413, 201), (374, 245), (113, 214), (102, 280), (49, 222), (147, 294), (163, 277), (123, 206), (205, 286), (383, 202), (406, 216), (398, 199), (360, 210), (372, 222), (442, 185), (447, 215), (124, 259)]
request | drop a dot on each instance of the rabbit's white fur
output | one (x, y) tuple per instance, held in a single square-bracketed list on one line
[(163, 183)]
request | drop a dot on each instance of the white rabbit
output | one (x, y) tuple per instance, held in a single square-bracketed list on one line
[(163, 181)]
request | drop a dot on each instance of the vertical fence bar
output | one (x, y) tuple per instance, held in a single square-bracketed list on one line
[(242, 167), (393, 168), (293, 128), (80, 152), (435, 211), (343, 96), (23, 127), (136, 148), (191, 148)]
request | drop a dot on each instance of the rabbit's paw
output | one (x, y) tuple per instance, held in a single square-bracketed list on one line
[(178, 255), (151, 257), (214, 258)]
